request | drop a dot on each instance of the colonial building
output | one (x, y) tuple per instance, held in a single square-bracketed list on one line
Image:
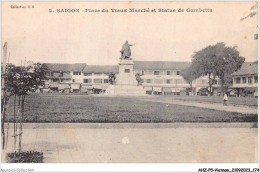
[(95, 77), (63, 77), (245, 80), (164, 77), (158, 77)]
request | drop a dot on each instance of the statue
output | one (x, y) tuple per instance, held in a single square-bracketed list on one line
[(112, 78), (138, 78), (126, 51)]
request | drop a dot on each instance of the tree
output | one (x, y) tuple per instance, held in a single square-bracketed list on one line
[(19, 81), (203, 62), (254, 12), (220, 61), (228, 61), (189, 75)]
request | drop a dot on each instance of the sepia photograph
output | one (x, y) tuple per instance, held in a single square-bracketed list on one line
[(129, 82)]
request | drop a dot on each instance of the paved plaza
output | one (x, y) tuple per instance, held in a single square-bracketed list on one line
[(179, 142), (144, 143)]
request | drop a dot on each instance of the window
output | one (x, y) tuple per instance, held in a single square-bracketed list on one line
[(156, 73), (87, 81), (97, 80), (243, 79), (105, 80), (54, 80), (61, 80), (76, 73), (148, 81), (250, 79), (87, 74), (168, 81), (238, 80), (97, 74), (73, 80), (127, 70), (168, 72), (178, 72), (256, 79)]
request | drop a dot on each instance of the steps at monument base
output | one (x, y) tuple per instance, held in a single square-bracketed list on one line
[(126, 90)]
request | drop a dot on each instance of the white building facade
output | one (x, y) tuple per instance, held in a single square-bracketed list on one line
[(158, 77), (245, 80)]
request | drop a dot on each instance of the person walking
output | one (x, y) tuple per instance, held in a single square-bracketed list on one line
[(225, 99)]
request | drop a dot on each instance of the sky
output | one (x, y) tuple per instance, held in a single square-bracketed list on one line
[(96, 38)]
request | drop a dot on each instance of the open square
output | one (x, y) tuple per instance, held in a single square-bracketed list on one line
[(103, 109), (130, 82)]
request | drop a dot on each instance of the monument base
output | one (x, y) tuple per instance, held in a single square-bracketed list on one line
[(125, 90), (126, 83), (126, 74)]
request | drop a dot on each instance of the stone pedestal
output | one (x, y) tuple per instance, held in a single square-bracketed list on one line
[(126, 74), (126, 83), (125, 90)]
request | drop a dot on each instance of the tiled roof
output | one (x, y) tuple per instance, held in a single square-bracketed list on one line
[(160, 65), (247, 68), (101, 68), (66, 67), (139, 65)]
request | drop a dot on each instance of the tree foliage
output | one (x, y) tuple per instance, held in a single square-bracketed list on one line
[(217, 60), (253, 12), (190, 74), (18, 81)]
